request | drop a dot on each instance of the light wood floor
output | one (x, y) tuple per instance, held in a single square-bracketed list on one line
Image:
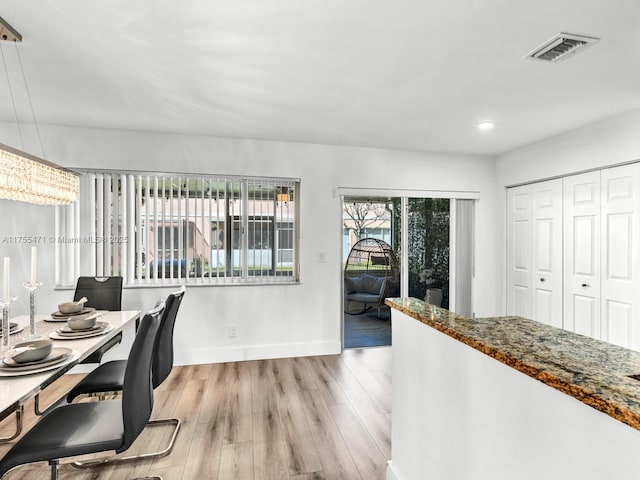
[(307, 418)]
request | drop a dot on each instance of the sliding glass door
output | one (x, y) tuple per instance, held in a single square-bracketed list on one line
[(377, 222)]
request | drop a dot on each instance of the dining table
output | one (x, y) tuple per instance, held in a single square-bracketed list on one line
[(20, 386)]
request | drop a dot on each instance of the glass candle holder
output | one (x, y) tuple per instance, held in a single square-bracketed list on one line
[(32, 287), (5, 303)]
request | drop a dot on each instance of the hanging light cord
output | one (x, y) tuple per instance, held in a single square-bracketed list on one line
[(33, 114), (13, 102)]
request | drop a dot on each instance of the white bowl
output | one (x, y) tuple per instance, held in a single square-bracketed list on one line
[(70, 307), (32, 351), (82, 323)]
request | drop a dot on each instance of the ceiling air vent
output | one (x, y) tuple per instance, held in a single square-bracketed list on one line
[(560, 46)]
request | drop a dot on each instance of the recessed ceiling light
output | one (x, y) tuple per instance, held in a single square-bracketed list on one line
[(484, 126)]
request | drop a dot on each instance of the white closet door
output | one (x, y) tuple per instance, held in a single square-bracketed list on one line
[(547, 252), (534, 251), (519, 252), (620, 223), (581, 218)]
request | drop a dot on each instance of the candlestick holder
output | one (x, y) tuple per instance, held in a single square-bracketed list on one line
[(5, 302), (32, 287)]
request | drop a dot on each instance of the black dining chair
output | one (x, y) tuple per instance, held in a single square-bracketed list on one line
[(109, 378), (103, 293), (93, 427)]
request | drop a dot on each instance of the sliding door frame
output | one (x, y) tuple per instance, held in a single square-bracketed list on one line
[(404, 195)]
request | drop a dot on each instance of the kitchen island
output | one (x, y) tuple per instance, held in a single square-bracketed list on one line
[(508, 398)]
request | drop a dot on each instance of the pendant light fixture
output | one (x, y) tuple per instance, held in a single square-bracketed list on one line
[(25, 177)]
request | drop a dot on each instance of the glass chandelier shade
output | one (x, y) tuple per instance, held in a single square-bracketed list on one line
[(26, 178)]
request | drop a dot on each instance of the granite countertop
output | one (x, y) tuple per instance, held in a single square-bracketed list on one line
[(592, 371)]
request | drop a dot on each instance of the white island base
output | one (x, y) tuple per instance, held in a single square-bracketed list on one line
[(459, 414)]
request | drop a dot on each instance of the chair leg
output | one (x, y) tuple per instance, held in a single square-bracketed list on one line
[(143, 456), (54, 469), (19, 414)]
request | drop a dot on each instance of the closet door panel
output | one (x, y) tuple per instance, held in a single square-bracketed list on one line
[(620, 248), (519, 254), (581, 276), (547, 252)]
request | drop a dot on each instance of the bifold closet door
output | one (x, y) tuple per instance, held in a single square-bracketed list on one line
[(547, 252), (519, 251), (620, 236), (534, 250), (581, 218)]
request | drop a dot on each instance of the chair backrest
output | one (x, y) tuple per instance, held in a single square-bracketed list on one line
[(137, 391), (103, 293), (163, 355)]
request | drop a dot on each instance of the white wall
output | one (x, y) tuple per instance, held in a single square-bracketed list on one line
[(602, 144), (273, 320)]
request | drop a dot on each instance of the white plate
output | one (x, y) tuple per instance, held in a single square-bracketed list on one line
[(11, 373), (14, 331), (57, 336), (85, 311), (57, 355), (98, 327), (63, 319)]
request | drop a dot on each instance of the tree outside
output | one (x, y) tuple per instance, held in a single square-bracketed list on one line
[(370, 218)]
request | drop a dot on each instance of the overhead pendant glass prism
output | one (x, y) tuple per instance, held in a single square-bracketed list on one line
[(26, 178)]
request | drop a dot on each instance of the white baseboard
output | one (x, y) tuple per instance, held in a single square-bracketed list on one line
[(256, 352), (392, 473)]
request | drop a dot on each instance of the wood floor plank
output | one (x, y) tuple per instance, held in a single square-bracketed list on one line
[(238, 423), (367, 456), (282, 371), (171, 473), (299, 447), (262, 383), (216, 396), (269, 457), (269, 461), (302, 374), (327, 386), (374, 420), (191, 396), (205, 451), (378, 392), (266, 426), (236, 462), (311, 476), (332, 450), (339, 371), (181, 449)]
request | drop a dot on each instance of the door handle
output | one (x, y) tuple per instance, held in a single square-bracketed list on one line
[(585, 285), (542, 279)]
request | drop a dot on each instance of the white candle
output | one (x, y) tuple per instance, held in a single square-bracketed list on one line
[(34, 252), (5, 279)]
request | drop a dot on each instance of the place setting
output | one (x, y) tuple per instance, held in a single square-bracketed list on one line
[(70, 310), (81, 326), (34, 356), (14, 328)]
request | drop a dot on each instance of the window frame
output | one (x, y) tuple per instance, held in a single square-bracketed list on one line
[(111, 233)]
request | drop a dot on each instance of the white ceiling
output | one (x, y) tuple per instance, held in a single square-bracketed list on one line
[(409, 74)]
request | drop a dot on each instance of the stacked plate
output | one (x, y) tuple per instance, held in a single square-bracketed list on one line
[(67, 333), (13, 328), (58, 355), (58, 316)]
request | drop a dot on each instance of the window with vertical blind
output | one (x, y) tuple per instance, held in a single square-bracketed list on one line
[(179, 228)]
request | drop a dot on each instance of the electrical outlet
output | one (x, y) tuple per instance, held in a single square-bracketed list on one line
[(233, 331)]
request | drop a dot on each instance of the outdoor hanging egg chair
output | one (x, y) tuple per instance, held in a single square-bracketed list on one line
[(371, 274)]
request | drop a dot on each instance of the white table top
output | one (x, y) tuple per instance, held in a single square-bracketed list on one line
[(17, 390)]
